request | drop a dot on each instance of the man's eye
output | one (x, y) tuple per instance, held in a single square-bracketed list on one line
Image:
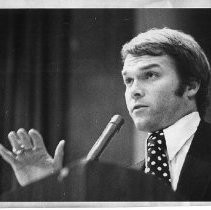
[(150, 75), (128, 81)]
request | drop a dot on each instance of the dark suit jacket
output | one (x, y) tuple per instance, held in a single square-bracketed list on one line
[(195, 177)]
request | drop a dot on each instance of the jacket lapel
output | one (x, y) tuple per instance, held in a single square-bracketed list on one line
[(196, 171)]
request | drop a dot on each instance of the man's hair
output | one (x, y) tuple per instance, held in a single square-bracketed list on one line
[(191, 61)]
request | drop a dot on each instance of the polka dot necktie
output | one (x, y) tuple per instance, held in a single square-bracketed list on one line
[(157, 163)]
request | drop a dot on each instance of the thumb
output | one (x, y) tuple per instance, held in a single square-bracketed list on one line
[(59, 154)]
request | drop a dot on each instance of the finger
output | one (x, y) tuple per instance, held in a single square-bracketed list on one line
[(14, 141), (24, 138), (59, 154), (7, 155), (36, 139)]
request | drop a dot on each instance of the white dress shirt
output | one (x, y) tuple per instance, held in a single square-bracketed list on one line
[(178, 140)]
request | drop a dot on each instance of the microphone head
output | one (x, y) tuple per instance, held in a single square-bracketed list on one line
[(117, 120), (112, 127)]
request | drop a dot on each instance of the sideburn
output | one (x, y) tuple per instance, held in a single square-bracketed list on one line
[(181, 89)]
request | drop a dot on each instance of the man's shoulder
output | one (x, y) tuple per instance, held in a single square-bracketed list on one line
[(201, 145), (204, 129)]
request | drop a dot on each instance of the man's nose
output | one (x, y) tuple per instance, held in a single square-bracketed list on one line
[(137, 90)]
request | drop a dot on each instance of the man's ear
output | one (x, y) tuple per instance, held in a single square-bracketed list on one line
[(192, 88)]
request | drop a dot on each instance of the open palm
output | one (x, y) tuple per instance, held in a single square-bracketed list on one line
[(30, 159)]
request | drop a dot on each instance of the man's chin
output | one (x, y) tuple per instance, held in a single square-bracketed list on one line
[(142, 125)]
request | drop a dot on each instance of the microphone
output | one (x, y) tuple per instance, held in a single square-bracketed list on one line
[(112, 128)]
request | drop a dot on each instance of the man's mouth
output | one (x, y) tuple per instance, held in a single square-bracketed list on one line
[(138, 107)]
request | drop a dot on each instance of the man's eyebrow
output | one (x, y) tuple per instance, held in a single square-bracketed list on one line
[(147, 67), (153, 65)]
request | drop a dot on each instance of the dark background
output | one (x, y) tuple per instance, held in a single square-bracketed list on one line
[(60, 74)]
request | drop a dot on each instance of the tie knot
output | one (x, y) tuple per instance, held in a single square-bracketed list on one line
[(157, 138)]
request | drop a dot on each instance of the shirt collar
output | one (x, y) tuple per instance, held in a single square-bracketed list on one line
[(177, 134)]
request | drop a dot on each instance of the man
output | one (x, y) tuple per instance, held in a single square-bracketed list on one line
[(166, 75)]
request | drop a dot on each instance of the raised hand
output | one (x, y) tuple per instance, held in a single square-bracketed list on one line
[(29, 157)]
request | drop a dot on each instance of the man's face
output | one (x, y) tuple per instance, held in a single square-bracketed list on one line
[(151, 83)]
